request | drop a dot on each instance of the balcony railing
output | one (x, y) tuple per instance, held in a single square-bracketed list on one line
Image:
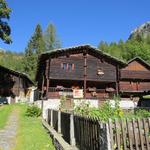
[(98, 93)]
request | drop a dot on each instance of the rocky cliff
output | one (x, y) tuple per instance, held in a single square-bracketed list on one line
[(143, 31)]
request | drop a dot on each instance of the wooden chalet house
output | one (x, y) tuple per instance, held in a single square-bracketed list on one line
[(13, 84), (81, 68), (135, 78)]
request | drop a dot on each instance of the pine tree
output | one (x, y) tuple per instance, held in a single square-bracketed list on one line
[(4, 27), (103, 46), (35, 47), (38, 45), (50, 38)]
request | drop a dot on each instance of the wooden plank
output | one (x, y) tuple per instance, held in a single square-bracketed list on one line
[(91, 129), (79, 130), (96, 132), (99, 135), (85, 133), (82, 136), (111, 133), (123, 134), (88, 130), (140, 132), (146, 132), (129, 134), (135, 134), (149, 123), (117, 128)]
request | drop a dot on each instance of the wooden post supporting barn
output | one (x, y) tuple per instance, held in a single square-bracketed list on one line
[(85, 73)]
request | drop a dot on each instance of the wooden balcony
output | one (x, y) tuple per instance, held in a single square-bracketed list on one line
[(142, 75), (98, 94)]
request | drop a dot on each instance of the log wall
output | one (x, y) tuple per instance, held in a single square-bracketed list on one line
[(93, 64)]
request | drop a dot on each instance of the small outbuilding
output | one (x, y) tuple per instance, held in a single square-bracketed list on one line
[(135, 78), (13, 85)]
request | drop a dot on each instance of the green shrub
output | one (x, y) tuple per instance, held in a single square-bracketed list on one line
[(106, 111), (33, 111), (103, 113), (83, 108), (141, 113)]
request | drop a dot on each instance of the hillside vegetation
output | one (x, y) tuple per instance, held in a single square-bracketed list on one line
[(11, 60), (138, 44)]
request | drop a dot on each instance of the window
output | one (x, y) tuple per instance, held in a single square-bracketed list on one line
[(67, 66), (64, 66)]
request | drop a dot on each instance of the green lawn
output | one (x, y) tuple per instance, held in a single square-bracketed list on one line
[(31, 134), (5, 110)]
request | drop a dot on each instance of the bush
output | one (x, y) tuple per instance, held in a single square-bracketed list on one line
[(83, 108), (103, 113), (141, 113), (33, 111)]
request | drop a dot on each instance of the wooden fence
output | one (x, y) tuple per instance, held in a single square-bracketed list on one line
[(65, 126), (55, 120), (130, 134), (86, 133), (91, 134)]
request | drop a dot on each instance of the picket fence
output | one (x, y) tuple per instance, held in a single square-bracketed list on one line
[(133, 134), (91, 134)]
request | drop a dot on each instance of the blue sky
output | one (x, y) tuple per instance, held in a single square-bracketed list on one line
[(77, 21)]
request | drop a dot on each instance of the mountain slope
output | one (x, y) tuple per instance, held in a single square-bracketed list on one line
[(11, 60), (142, 31)]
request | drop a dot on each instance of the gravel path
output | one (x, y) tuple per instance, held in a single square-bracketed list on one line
[(8, 134)]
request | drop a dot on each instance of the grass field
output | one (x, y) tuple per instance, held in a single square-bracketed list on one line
[(31, 135), (5, 111)]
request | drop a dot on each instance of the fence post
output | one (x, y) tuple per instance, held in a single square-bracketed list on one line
[(72, 137), (42, 105), (104, 136), (47, 118), (59, 121), (51, 118), (108, 137), (46, 115)]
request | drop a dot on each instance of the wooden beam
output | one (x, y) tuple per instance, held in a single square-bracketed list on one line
[(43, 81), (117, 79), (47, 76), (85, 73), (19, 85)]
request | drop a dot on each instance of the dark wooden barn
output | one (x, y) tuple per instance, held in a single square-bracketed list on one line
[(63, 71), (13, 84), (135, 78)]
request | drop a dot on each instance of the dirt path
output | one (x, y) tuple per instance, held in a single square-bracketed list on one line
[(8, 134)]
